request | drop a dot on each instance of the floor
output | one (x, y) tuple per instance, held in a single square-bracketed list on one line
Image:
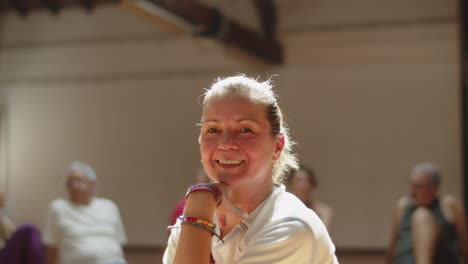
[(154, 257)]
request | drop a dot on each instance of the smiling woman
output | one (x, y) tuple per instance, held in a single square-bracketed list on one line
[(246, 216)]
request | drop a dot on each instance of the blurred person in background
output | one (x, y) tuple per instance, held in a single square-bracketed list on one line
[(18, 245), (83, 229), (303, 183), (428, 228)]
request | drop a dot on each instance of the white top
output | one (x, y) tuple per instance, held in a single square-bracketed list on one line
[(85, 234), (282, 230)]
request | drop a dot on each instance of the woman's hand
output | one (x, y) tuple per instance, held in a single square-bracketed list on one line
[(226, 205), (200, 204), (203, 204), (227, 208)]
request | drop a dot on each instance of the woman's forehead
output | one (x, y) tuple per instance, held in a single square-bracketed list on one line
[(238, 109)]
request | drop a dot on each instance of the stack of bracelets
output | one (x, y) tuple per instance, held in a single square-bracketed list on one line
[(206, 187), (201, 222)]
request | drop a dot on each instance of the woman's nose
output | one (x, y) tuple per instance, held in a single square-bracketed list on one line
[(227, 142)]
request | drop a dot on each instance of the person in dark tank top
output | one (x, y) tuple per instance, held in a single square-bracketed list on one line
[(428, 229)]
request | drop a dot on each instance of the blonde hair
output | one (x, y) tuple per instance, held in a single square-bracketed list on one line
[(259, 93)]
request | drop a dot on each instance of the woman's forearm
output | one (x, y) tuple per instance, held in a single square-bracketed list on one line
[(194, 244)]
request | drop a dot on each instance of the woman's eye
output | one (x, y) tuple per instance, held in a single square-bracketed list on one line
[(246, 130), (211, 130)]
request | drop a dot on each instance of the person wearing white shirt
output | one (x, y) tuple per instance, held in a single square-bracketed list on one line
[(246, 216), (280, 230), (83, 229)]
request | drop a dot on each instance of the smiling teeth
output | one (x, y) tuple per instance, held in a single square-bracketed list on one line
[(230, 162)]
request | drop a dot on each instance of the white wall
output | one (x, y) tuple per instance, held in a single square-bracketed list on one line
[(369, 89)]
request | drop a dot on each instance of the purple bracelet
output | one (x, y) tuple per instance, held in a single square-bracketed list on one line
[(206, 187)]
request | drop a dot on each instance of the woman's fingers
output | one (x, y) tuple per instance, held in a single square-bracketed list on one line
[(226, 205)]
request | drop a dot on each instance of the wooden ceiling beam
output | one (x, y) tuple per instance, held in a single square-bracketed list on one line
[(268, 50), (266, 11), (211, 22), (52, 5), (88, 4), (19, 6), (262, 45), (24, 7)]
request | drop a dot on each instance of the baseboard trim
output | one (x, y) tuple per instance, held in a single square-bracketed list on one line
[(143, 248), (360, 251)]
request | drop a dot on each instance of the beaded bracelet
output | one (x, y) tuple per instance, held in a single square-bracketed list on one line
[(200, 223), (206, 187), (190, 219)]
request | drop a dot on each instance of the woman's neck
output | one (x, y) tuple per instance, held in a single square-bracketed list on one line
[(249, 196)]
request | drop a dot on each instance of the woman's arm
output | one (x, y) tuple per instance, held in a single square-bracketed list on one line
[(194, 245)]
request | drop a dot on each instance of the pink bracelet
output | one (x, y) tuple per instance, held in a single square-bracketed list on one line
[(206, 187)]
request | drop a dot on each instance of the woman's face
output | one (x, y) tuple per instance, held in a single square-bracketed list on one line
[(236, 142)]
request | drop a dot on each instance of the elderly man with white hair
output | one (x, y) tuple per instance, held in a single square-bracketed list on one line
[(83, 229), (428, 228)]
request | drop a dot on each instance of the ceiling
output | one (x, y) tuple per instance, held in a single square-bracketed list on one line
[(24, 7), (210, 18)]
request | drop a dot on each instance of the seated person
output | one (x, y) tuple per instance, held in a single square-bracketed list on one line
[(245, 215), (19, 245), (303, 184), (83, 229), (427, 229)]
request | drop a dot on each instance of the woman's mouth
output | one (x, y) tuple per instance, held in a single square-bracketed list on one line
[(229, 163)]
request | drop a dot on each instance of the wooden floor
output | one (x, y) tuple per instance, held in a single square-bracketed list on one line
[(154, 257)]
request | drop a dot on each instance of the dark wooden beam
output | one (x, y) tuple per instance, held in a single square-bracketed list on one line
[(215, 24), (24, 7), (52, 5), (268, 50), (210, 22), (266, 11), (464, 93), (20, 7), (88, 4), (189, 10)]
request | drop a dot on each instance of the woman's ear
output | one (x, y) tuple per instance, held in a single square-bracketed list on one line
[(279, 146)]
